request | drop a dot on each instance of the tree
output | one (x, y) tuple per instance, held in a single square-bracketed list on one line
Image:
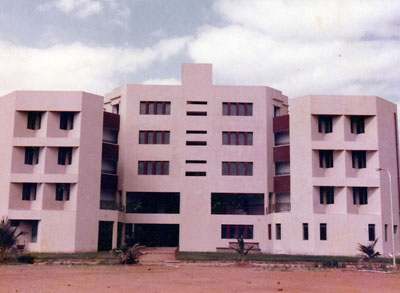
[(242, 249), (8, 236), (129, 253), (368, 251)]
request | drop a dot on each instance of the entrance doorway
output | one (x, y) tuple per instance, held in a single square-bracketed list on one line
[(157, 235)]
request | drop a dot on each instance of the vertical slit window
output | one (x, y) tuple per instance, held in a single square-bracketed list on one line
[(305, 231), (269, 231), (278, 232), (371, 232), (322, 231)]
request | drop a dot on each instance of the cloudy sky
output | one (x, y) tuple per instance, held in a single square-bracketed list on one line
[(297, 46)]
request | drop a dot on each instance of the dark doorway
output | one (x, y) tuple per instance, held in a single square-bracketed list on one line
[(157, 235), (105, 236)]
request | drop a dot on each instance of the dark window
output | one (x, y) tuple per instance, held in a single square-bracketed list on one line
[(237, 231), (322, 232), (65, 156), (326, 158), (196, 162), (359, 159), (62, 191), (32, 155), (237, 138), (115, 109), (67, 120), (154, 137), (29, 191), (196, 102), (269, 231), (305, 231), (196, 131), (386, 232), (326, 195), (155, 108), (324, 124), (237, 204), (277, 111), (237, 109), (199, 143), (360, 195), (357, 124), (371, 232), (278, 232), (195, 173), (34, 120), (153, 168), (237, 168), (35, 226), (196, 113), (153, 202)]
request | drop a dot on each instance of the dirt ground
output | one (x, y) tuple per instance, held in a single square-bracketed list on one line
[(193, 278)]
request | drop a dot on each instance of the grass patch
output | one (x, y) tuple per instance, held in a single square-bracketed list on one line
[(201, 256)]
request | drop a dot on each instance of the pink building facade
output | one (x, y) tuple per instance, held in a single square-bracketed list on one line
[(198, 165)]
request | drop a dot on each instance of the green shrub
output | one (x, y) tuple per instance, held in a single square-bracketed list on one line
[(26, 258)]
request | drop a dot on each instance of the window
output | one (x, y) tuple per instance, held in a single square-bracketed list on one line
[(29, 191), (326, 158), (305, 231), (237, 204), (196, 102), (371, 232), (394, 229), (155, 108), (153, 168), (196, 131), (32, 155), (196, 113), (34, 232), (269, 231), (237, 109), (357, 124), (237, 168), (153, 202), (65, 156), (115, 109), (237, 138), (359, 159), (67, 120), (196, 162), (154, 137), (326, 195), (360, 195), (198, 143), (277, 111), (237, 231), (386, 232), (34, 120), (62, 191), (278, 232), (195, 173), (322, 232), (324, 124)]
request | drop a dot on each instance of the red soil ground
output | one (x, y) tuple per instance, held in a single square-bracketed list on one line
[(188, 278)]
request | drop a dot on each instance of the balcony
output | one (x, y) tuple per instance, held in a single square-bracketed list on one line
[(111, 121), (278, 208), (110, 151), (282, 153), (109, 182), (282, 184), (281, 123), (111, 205)]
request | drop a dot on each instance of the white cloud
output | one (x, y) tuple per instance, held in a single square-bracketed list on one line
[(162, 81), (306, 47), (86, 8), (77, 66)]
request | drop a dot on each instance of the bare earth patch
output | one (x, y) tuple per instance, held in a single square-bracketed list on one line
[(193, 278)]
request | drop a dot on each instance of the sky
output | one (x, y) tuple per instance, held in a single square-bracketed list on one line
[(300, 47)]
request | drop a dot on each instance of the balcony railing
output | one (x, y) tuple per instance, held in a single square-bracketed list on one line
[(278, 208), (111, 205)]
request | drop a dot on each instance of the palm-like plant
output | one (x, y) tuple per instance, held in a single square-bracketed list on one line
[(8, 236), (368, 252), (242, 250), (128, 254)]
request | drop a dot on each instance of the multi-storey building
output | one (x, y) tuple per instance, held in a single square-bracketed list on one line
[(198, 165)]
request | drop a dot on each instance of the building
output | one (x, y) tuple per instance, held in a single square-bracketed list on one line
[(197, 165)]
